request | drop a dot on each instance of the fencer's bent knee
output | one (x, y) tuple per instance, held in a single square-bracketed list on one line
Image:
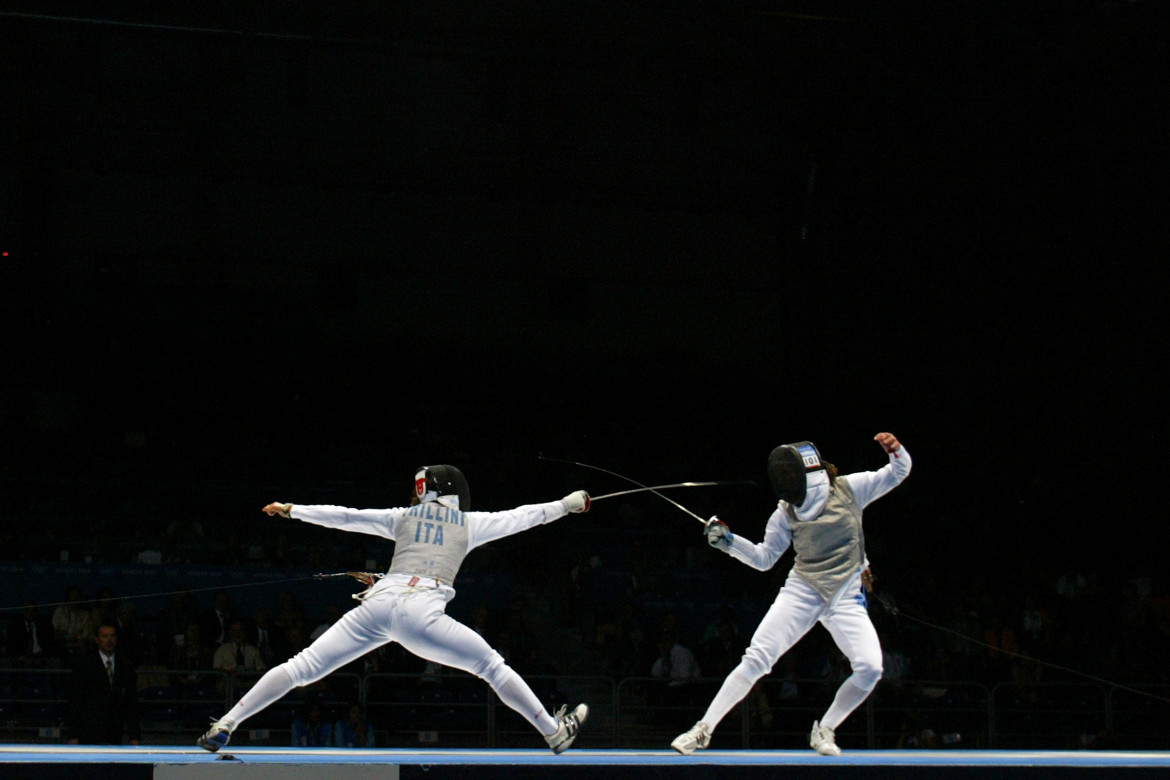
[(867, 673), (758, 661), (305, 668), (492, 669)]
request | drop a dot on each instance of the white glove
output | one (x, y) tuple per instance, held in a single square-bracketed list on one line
[(718, 534), (577, 502)]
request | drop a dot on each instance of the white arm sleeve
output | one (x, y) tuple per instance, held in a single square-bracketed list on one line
[(764, 555), (484, 527), (378, 522), (868, 486)]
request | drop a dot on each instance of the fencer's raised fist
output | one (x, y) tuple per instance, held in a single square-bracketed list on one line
[(277, 508), (577, 501), (718, 534), (888, 441)]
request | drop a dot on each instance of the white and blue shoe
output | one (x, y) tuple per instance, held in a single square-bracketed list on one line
[(218, 735)]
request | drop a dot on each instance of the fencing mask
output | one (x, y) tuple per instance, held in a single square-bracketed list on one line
[(444, 484), (793, 468)]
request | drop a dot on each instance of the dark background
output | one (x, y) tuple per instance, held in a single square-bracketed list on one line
[(268, 252)]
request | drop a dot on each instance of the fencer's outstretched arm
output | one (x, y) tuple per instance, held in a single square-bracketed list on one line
[(489, 526), (376, 522), (483, 526), (868, 486)]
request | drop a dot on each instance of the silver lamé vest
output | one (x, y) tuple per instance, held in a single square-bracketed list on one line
[(432, 542), (830, 548)]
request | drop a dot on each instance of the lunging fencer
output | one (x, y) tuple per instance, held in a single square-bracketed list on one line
[(432, 537), (819, 514)]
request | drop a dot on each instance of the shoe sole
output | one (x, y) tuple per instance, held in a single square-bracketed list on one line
[(208, 744)]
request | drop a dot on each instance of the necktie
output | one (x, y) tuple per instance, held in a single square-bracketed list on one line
[(239, 657), (110, 670)]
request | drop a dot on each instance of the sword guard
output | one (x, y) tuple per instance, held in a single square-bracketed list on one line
[(365, 577)]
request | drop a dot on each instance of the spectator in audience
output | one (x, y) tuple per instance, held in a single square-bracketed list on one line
[(214, 622), (311, 729), (290, 620), (103, 694), (131, 643), (180, 612), (191, 655), (71, 624), (676, 663), (263, 633), (237, 657), (296, 639), (354, 731), (30, 639)]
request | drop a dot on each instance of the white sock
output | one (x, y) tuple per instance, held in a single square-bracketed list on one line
[(514, 692), (849, 697), (270, 688), (734, 688)]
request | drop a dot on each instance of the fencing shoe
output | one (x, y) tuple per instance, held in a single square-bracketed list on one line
[(567, 727), (218, 735), (697, 738), (823, 740)]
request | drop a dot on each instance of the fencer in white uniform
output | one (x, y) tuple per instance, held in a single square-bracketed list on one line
[(432, 537), (819, 514)]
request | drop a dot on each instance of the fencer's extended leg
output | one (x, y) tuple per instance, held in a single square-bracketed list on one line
[(274, 684), (440, 638), (789, 618), (346, 640), (270, 688)]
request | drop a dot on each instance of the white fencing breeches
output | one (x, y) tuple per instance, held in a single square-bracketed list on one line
[(415, 618), (796, 609)]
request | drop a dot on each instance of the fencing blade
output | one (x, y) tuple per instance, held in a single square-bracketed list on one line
[(635, 482), (667, 487)]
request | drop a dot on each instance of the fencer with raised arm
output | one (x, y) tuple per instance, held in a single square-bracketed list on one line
[(819, 515), (432, 536)]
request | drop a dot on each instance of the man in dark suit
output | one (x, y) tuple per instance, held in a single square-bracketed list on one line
[(214, 622), (31, 641), (103, 694)]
